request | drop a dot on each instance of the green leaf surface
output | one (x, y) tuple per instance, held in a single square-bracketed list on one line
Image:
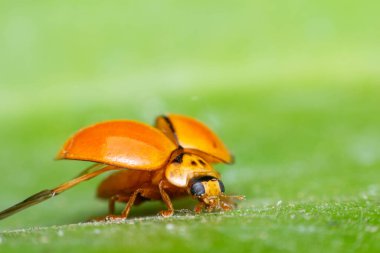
[(291, 88)]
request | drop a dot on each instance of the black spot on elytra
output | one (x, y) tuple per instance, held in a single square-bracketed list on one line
[(171, 127), (202, 162), (193, 163), (178, 159)]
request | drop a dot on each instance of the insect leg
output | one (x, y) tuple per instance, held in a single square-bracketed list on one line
[(113, 200), (131, 201), (166, 199), (111, 203), (198, 208)]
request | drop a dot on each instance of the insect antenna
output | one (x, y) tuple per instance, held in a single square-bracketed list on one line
[(46, 194)]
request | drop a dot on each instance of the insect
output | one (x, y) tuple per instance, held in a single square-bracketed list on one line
[(171, 160)]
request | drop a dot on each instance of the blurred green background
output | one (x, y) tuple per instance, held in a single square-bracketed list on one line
[(292, 87)]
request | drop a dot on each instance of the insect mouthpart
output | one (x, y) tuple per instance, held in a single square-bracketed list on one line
[(210, 193)]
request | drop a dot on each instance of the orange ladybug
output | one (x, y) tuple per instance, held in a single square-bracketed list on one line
[(172, 159)]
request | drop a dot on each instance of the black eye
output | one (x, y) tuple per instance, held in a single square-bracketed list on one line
[(221, 186), (197, 189)]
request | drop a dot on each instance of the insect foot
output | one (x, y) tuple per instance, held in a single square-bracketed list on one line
[(166, 213)]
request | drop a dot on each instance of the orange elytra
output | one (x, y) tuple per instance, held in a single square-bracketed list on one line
[(172, 159)]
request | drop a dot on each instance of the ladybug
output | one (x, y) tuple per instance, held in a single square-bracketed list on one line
[(173, 159)]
